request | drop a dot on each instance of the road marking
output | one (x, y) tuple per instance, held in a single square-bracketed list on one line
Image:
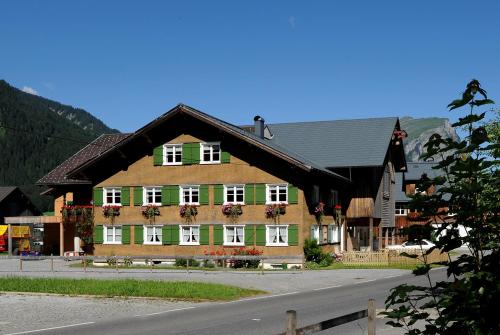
[(163, 312), (367, 281), (255, 319), (260, 298), (326, 288), (52, 328)]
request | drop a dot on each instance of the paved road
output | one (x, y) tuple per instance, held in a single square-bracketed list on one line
[(260, 315)]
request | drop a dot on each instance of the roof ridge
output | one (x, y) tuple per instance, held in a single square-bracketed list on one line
[(338, 120)]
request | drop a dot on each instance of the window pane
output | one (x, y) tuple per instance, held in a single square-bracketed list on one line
[(272, 192), (283, 231), (194, 194), (239, 234), (186, 234), (195, 234), (239, 194), (230, 234), (273, 237)]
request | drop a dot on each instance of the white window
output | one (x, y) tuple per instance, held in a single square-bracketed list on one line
[(152, 234), (234, 194), (112, 196), (151, 195), (234, 235), (277, 193), (190, 235), (112, 234), (315, 233), (210, 153), (277, 235), (400, 209), (190, 194), (172, 154), (334, 233)]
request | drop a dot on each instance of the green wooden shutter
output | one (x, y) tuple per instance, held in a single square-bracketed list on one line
[(125, 234), (125, 195), (218, 194), (249, 194), (203, 194), (158, 155), (204, 235), (165, 195), (249, 235), (174, 194), (260, 194), (195, 153), (186, 154), (166, 235), (225, 157), (138, 234), (98, 234), (175, 234), (260, 235), (218, 234), (138, 196), (293, 194), (293, 234), (98, 196)]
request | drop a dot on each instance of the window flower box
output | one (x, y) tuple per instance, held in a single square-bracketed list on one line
[(274, 211), (232, 211), (150, 211), (188, 212), (110, 211)]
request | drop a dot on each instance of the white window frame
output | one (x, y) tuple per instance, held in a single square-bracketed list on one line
[(335, 236), (277, 244), (210, 145), (234, 187), (114, 228), (181, 228), (114, 191), (315, 235), (181, 194), (156, 228), (401, 211), (176, 148), (226, 242), (155, 190), (268, 193)]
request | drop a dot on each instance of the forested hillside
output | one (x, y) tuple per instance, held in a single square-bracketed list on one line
[(37, 134)]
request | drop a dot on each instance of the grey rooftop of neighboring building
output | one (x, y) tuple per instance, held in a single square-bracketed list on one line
[(414, 173), (339, 143), (5, 191)]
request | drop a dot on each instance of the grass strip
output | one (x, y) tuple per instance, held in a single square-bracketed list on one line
[(340, 266), (193, 291)]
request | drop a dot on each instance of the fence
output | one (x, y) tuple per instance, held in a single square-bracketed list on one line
[(291, 322), (391, 257), (191, 262)]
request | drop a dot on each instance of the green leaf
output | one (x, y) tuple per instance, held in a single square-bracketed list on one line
[(422, 270), (483, 102)]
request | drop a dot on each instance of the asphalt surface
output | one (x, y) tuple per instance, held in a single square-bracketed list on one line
[(259, 315)]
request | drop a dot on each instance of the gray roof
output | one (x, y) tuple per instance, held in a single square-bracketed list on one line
[(267, 145), (341, 143), (5, 191), (58, 175), (417, 169), (414, 173)]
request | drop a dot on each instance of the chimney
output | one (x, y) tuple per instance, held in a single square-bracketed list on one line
[(259, 126)]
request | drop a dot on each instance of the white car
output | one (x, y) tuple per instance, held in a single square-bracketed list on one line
[(415, 244)]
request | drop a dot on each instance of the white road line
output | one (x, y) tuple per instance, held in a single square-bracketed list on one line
[(367, 281), (163, 312), (259, 298), (52, 328), (326, 288)]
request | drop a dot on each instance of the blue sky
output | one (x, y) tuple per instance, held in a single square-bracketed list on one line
[(128, 62)]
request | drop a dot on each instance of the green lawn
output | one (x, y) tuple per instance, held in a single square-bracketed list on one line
[(193, 291)]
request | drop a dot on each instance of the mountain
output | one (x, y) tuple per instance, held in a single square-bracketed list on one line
[(36, 135), (420, 130)]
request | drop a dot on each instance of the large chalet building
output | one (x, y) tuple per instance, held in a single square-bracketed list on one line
[(188, 183)]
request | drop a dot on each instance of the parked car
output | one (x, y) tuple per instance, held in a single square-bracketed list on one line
[(414, 244)]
